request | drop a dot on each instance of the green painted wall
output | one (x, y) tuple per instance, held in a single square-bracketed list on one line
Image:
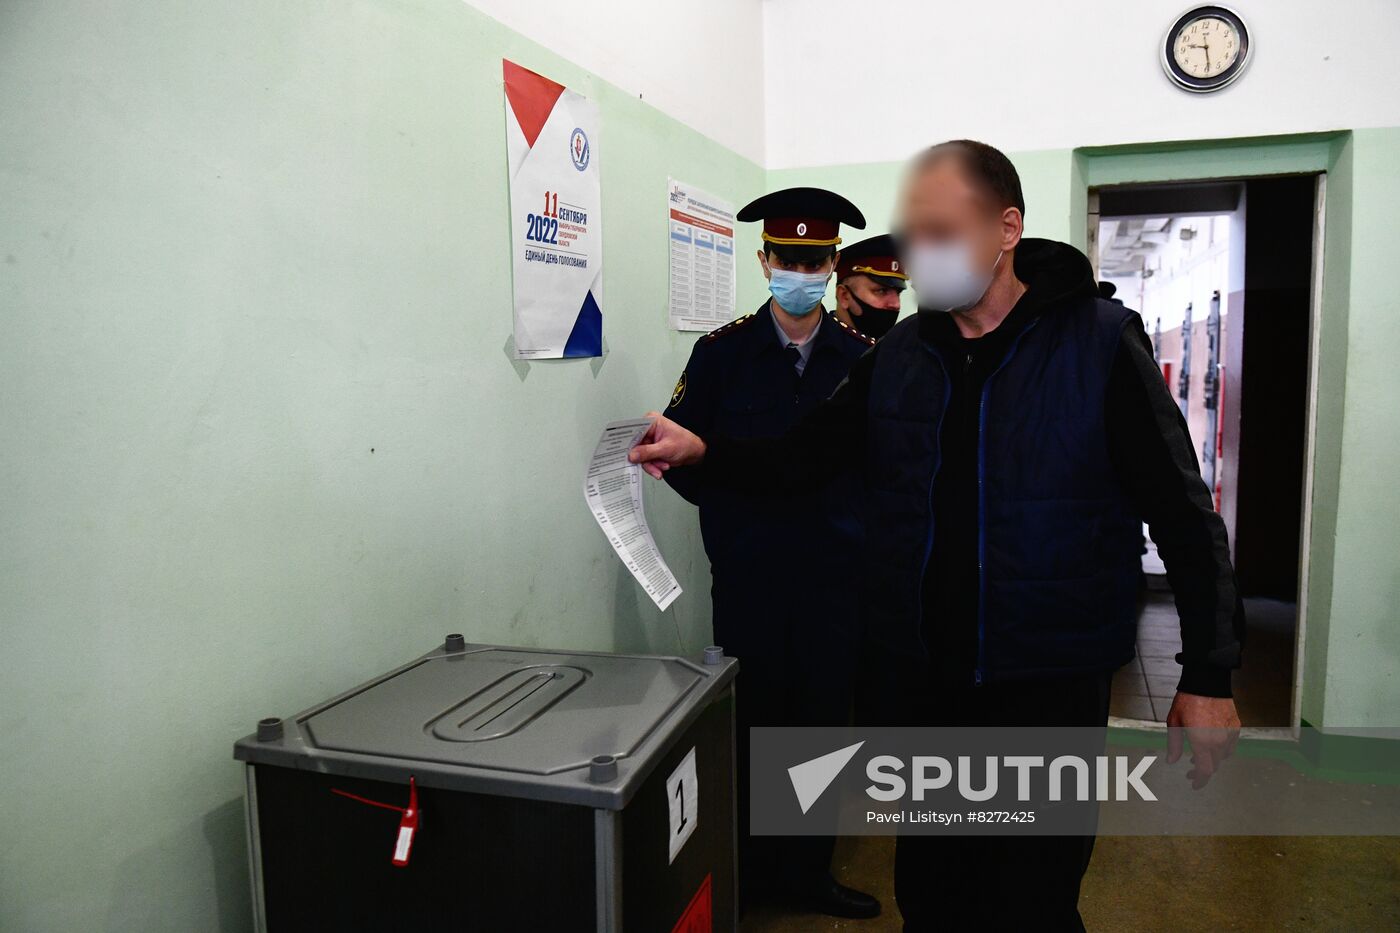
[(1363, 655), (262, 439), (1351, 664)]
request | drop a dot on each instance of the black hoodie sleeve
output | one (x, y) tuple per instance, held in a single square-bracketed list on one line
[(1152, 455), (831, 438)]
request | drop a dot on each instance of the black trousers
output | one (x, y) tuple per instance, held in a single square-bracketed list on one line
[(1000, 882), (796, 647)]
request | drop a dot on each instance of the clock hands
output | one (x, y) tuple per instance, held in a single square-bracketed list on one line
[(1205, 47)]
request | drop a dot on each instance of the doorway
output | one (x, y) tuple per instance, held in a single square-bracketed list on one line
[(1223, 272)]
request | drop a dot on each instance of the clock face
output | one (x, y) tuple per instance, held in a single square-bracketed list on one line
[(1206, 48)]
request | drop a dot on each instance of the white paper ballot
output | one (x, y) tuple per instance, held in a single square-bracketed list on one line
[(613, 488)]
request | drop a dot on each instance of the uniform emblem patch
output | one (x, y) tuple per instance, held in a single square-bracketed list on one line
[(679, 392)]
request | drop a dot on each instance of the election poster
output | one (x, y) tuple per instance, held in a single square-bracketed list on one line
[(556, 222), (701, 237)]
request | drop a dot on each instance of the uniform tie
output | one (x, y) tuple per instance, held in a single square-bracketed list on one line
[(794, 356)]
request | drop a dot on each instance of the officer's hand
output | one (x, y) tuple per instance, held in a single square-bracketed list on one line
[(1212, 727), (665, 445)]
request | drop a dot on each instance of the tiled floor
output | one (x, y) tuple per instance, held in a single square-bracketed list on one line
[(1263, 686), (1144, 689)]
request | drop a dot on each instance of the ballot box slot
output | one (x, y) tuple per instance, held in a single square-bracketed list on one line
[(507, 704)]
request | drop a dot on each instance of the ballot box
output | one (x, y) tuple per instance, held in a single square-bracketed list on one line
[(497, 789)]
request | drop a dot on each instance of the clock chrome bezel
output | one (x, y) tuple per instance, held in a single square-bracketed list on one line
[(1225, 78)]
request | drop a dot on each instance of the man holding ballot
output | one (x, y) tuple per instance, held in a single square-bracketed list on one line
[(780, 556), (1013, 437)]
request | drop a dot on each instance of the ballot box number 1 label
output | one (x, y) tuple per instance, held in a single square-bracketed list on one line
[(683, 795)]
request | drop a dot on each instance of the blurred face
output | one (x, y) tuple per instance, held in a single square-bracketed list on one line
[(942, 206), (863, 288)]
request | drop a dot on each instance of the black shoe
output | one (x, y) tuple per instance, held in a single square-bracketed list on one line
[(828, 896)]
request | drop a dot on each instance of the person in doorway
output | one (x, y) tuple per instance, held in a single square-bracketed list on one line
[(869, 282), (1013, 436), (778, 560)]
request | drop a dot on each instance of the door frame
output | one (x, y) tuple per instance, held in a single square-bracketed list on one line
[(1309, 443), (1326, 155)]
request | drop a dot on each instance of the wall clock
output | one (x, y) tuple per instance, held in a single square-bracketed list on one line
[(1206, 48)]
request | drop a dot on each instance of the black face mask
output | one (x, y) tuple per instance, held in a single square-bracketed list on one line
[(873, 322)]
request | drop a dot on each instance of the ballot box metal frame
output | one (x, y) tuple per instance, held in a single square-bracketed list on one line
[(606, 784)]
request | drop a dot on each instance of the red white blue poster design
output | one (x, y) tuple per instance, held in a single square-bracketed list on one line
[(556, 224)]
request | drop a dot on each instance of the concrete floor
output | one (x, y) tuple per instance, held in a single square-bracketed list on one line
[(1176, 885)]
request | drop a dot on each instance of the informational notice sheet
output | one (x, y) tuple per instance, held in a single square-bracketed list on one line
[(613, 488), (702, 258), (556, 217)]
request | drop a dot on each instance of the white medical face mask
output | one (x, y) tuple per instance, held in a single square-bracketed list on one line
[(945, 277)]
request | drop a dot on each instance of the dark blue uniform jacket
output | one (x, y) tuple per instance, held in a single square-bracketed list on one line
[(781, 560)]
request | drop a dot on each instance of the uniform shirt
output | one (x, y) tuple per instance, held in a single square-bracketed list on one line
[(804, 349)]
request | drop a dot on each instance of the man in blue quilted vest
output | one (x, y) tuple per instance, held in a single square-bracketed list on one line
[(1013, 435)]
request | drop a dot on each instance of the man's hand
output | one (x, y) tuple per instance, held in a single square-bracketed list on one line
[(1211, 726), (665, 445)]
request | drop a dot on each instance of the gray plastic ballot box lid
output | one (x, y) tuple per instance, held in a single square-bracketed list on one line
[(518, 722)]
